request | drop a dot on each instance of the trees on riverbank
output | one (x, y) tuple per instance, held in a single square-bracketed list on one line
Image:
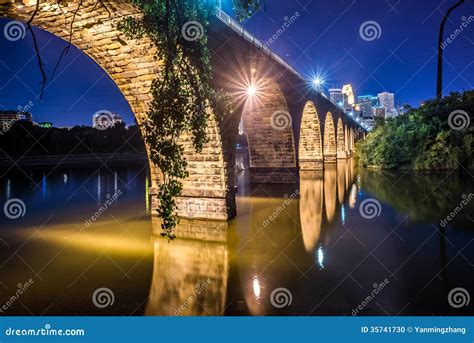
[(436, 136), (26, 139)]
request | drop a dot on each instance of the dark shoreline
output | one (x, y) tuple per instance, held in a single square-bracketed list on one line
[(74, 160)]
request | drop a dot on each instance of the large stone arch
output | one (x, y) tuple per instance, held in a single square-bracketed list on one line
[(268, 125), (330, 145), (341, 149), (131, 63), (310, 144)]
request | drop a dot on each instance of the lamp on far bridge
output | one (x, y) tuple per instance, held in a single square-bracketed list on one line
[(318, 82)]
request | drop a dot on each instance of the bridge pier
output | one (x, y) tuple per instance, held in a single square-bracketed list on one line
[(273, 175), (330, 159), (312, 165), (342, 155)]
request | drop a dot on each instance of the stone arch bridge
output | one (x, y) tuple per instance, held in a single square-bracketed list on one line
[(289, 127)]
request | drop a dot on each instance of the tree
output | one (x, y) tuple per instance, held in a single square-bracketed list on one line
[(439, 85)]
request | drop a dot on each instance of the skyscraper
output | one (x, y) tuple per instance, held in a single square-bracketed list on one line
[(349, 97), (378, 112), (366, 102), (336, 96), (387, 101)]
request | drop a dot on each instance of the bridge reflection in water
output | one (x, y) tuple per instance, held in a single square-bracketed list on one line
[(191, 274)]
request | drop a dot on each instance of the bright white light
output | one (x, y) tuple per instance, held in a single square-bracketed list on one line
[(318, 82), (251, 90), (256, 287), (320, 254)]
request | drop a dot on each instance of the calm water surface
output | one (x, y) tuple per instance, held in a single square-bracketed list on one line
[(309, 240)]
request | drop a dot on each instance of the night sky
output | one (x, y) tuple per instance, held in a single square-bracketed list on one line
[(323, 39)]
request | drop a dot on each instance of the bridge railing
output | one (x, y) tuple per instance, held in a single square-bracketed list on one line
[(234, 25)]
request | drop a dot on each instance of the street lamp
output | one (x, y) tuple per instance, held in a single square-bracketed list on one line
[(251, 90), (318, 82)]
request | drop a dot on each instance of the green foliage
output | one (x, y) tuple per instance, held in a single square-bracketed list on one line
[(182, 92), (422, 139)]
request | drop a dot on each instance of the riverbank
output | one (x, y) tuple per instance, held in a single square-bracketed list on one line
[(75, 160), (436, 136)]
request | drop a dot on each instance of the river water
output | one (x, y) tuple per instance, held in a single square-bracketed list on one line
[(341, 242)]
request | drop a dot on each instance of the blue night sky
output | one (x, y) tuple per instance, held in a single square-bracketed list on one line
[(324, 39)]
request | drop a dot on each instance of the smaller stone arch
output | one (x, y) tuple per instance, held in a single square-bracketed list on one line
[(330, 147), (341, 148), (310, 144)]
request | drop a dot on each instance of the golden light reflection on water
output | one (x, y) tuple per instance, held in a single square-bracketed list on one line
[(105, 236), (311, 208), (330, 186)]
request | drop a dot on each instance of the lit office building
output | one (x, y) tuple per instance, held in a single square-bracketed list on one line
[(336, 96), (8, 118), (378, 112), (365, 104), (387, 101), (349, 97)]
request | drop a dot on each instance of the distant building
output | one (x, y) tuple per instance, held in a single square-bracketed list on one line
[(349, 97), (336, 96), (378, 112), (365, 103), (387, 101), (104, 120), (46, 125), (8, 118)]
